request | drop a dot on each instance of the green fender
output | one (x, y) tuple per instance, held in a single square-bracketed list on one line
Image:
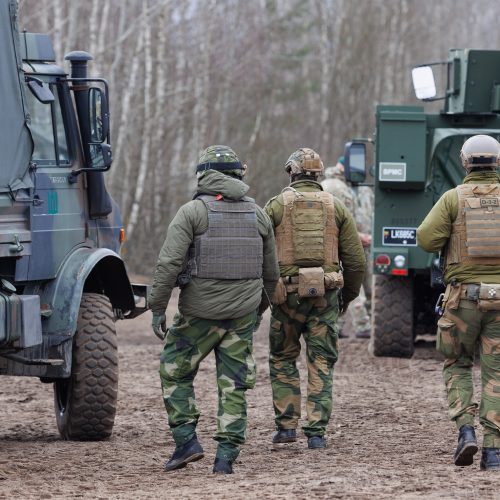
[(85, 270)]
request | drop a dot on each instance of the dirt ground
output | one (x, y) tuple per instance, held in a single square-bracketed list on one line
[(388, 438)]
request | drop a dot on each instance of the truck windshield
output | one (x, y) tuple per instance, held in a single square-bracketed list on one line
[(47, 129)]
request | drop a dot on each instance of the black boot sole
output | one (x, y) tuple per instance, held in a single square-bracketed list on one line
[(466, 456), (181, 464), (285, 440)]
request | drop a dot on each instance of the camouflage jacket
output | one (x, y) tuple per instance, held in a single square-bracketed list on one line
[(211, 298), (350, 250), (434, 232), (359, 201)]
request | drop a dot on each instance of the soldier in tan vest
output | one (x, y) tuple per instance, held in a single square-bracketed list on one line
[(315, 234), (465, 225)]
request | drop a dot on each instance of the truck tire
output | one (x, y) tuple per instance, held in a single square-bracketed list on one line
[(392, 317), (85, 403)]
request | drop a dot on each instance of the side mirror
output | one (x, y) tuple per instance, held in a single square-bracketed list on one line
[(101, 156), (423, 82), (355, 162), (98, 115)]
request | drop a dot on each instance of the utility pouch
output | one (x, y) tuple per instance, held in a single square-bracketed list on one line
[(311, 282), (279, 295), (334, 280), (451, 299), (489, 297)]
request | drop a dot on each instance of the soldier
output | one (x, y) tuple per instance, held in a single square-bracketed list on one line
[(335, 183), (314, 232), (464, 225), (220, 250)]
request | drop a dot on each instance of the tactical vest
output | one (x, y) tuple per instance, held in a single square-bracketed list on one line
[(308, 234), (231, 248), (475, 234)]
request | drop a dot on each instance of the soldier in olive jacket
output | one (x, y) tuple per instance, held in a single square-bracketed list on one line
[(465, 226), (220, 250)]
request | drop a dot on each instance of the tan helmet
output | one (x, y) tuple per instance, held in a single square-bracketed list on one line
[(480, 151), (304, 161)]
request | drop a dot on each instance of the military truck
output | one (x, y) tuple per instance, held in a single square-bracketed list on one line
[(416, 161), (62, 280)]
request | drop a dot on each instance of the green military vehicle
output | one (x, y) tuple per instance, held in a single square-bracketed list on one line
[(416, 161), (62, 281)]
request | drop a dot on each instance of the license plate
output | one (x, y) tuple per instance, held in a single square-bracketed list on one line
[(399, 236)]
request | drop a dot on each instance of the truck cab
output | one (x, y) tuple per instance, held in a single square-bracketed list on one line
[(62, 280), (417, 159)]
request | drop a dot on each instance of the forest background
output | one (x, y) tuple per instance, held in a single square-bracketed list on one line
[(262, 76)]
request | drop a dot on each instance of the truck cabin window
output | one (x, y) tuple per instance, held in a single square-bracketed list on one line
[(47, 129)]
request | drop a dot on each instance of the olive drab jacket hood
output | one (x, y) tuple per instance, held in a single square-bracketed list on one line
[(213, 182), (211, 298)]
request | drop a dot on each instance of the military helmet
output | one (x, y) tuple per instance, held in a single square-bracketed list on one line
[(480, 151), (304, 161), (221, 158)]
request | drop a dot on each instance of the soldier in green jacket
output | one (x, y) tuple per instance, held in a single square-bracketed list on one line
[(220, 251), (315, 233), (465, 226)]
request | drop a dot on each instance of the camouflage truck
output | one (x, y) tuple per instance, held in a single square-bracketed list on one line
[(416, 161), (62, 281)]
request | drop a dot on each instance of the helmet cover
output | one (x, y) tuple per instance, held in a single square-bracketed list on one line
[(304, 161)]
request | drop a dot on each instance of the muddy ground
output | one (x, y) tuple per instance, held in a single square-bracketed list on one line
[(389, 436)]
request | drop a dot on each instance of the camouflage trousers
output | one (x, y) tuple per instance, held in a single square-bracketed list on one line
[(314, 319), (458, 332), (188, 342)]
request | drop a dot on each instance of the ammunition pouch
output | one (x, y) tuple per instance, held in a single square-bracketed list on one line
[(489, 297), (311, 282), (334, 280), (452, 296), (306, 283), (280, 292)]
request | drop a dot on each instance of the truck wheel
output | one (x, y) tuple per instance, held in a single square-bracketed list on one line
[(85, 403), (392, 317)]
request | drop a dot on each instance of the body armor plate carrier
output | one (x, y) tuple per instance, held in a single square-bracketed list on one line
[(475, 235), (308, 234), (231, 248)]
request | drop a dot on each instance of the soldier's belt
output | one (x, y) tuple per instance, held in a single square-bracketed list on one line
[(486, 295), (469, 292), (333, 281)]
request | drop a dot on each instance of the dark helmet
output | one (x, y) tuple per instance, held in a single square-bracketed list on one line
[(480, 151), (304, 161), (221, 158)]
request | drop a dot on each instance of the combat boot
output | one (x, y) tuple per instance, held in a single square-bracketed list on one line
[(316, 442), (490, 459), (467, 446), (189, 452), (222, 466), (284, 436)]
